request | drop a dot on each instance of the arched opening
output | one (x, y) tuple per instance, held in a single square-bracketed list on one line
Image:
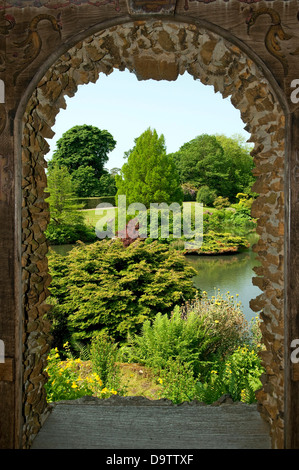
[(157, 50), (181, 110)]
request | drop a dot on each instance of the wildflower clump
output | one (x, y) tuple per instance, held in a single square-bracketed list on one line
[(70, 379), (238, 376), (223, 320)]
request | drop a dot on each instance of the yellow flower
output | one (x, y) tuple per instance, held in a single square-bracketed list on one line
[(216, 321), (160, 380), (74, 385)]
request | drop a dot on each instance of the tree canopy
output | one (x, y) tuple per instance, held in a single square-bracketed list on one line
[(63, 207), (67, 223), (223, 164), (84, 150), (149, 175)]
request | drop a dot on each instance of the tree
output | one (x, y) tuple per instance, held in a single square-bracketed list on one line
[(85, 183), (67, 224), (223, 164), (63, 206), (206, 196), (149, 175), (239, 165), (81, 147), (107, 185), (199, 161)]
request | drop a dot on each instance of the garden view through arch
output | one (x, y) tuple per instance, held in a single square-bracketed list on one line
[(156, 49)]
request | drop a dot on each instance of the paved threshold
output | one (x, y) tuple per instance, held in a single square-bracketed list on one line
[(137, 423)]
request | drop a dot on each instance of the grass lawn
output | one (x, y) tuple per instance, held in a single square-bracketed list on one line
[(139, 381), (92, 216)]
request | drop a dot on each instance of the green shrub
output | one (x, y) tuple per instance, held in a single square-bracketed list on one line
[(104, 354), (206, 195), (238, 376), (221, 202), (105, 285), (66, 234), (218, 243), (93, 202), (223, 320), (177, 381), (67, 380), (167, 338)]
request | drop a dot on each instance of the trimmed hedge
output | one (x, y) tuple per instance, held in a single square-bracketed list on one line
[(92, 202)]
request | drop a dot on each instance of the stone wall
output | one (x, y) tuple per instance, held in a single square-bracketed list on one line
[(158, 50)]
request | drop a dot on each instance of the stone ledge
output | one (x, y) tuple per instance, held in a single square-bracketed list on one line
[(116, 400)]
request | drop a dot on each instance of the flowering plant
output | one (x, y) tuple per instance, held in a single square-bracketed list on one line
[(71, 379)]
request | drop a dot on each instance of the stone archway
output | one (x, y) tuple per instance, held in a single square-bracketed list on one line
[(159, 50)]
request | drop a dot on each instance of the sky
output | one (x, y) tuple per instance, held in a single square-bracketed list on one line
[(126, 107)]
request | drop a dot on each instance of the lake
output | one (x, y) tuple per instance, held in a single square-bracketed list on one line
[(231, 273)]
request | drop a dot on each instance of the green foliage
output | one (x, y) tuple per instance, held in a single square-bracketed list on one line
[(149, 175), (104, 354), (206, 195), (65, 234), (223, 321), (167, 338), (85, 182), (220, 243), (72, 378), (83, 150), (240, 213), (93, 202), (239, 165), (63, 206), (67, 224), (65, 381), (239, 376), (203, 351), (107, 185), (178, 381), (223, 164), (221, 202), (107, 286)]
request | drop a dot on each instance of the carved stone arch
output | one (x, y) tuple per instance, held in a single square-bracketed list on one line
[(161, 50)]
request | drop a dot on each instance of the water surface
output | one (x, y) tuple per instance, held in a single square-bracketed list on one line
[(231, 273)]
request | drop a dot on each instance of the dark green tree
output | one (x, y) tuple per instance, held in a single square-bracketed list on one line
[(149, 175), (84, 147), (107, 185), (221, 163), (239, 165)]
